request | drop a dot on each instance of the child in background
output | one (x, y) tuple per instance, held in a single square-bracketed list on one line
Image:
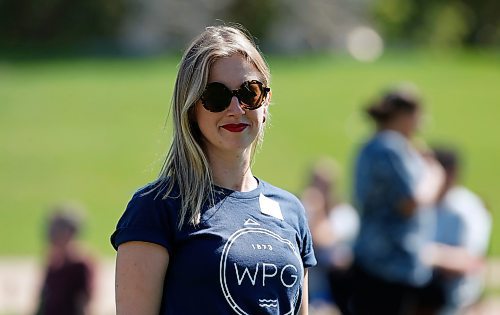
[(67, 287)]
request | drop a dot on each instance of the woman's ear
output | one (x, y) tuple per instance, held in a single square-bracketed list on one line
[(269, 96)]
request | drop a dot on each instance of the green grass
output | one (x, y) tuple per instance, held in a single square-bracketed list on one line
[(94, 130)]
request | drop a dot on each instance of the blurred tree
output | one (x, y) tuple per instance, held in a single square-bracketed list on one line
[(485, 27), (446, 25), (439, 22), (256, 15), (394, 18), (58, 22)]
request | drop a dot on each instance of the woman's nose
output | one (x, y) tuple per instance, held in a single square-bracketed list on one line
[(235, 106)]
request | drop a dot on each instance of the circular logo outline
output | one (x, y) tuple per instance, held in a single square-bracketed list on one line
[(223, 263)]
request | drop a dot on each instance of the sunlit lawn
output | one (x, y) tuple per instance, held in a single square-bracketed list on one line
[(93, 131)]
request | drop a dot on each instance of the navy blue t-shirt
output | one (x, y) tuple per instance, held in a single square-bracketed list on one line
[(246, 256)]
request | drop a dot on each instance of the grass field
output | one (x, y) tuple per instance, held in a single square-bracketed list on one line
[(93, 130)]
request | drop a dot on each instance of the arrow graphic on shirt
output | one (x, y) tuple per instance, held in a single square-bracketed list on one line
[(251, 222)]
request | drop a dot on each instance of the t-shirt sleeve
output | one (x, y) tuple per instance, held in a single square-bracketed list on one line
[(391, 176), (147, 218), (306, 251)]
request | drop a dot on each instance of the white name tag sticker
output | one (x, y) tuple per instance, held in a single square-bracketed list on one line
[(270, 207)]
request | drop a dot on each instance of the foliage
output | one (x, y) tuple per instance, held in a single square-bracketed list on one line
[(441, 23), (58, 22), (257, 16)]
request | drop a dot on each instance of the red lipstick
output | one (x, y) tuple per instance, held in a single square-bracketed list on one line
[(235, 127)]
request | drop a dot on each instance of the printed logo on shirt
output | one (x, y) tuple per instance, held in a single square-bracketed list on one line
[(259, 263), (251, 222)]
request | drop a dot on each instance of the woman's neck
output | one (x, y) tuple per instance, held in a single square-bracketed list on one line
[(232, 171)]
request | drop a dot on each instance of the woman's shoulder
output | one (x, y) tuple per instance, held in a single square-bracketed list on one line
[(285, 198), (161, 188), (150, 215), (268, 188), (160, 191), (290, 207), (153, 200), (382, 143)]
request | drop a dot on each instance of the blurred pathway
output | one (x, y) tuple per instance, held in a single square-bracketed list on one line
[(20, 279)]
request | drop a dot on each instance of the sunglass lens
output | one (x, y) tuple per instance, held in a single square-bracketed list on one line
[(216, 97), (251, 94)]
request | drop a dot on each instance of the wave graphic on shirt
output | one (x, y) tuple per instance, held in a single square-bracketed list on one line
[(268, 303)]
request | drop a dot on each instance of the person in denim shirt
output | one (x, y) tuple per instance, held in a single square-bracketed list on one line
[(394, 188)]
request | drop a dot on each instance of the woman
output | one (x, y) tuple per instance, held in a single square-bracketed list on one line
[(394, 187), (207, 237)]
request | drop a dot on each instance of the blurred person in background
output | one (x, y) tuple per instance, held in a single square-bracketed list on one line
[(395, 188), (334, 225), (67, 286), (464, 223), (207, 237)]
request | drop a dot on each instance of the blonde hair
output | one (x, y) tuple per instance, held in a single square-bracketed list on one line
[(186, 164)]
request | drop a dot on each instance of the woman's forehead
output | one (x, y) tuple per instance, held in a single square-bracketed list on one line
[(233, 70)]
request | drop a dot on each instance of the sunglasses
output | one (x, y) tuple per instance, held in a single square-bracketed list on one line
[(217, 97)]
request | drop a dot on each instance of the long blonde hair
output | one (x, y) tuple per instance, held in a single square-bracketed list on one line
[(186, 164)]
